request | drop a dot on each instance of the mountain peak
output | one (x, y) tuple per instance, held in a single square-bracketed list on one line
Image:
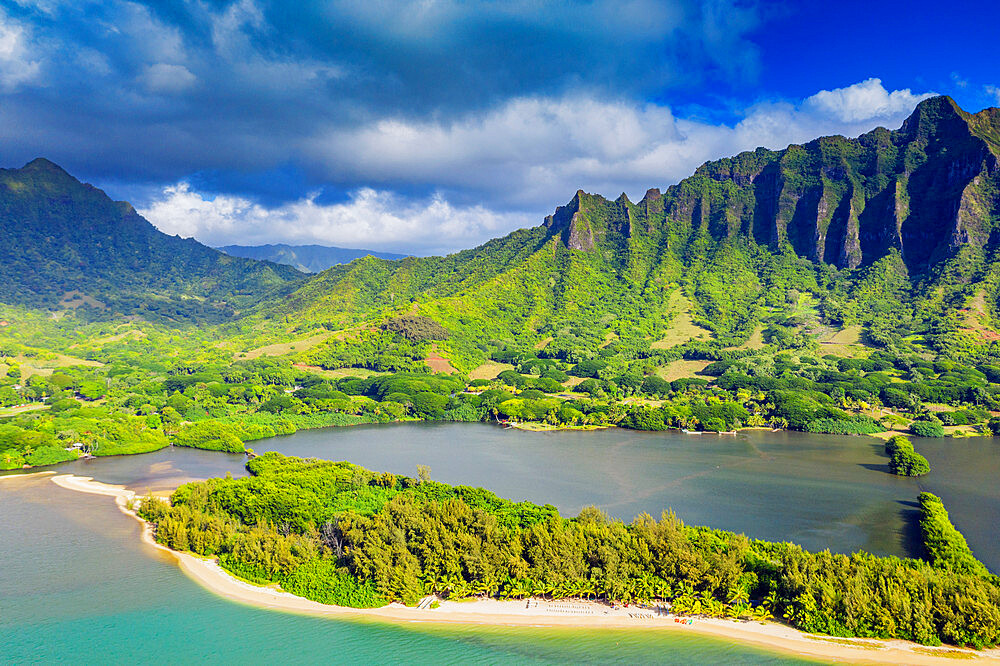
[(62, 235), (935, 114), (42, 165)]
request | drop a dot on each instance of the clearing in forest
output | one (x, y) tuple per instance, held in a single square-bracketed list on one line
[(46, 366), (977, 318), (542, 344), (339, 373), (72, 300), (682, 327), (283, 348), (846, 342), (681, 368), (489, 370), (438, 363), (756, 339), (116, 337)]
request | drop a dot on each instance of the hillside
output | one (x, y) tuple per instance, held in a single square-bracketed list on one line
[(306, 258), (893, 232), (68, 245)]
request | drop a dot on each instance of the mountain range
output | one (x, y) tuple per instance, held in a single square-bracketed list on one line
[(306, 258), (894, 231), (67, 243)]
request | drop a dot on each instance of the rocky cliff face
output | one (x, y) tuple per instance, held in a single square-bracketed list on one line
[(925, 190)]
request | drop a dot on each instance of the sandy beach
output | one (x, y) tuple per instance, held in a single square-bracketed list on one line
[(539, 612)]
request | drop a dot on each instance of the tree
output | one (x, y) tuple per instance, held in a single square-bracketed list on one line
[(424, 473)]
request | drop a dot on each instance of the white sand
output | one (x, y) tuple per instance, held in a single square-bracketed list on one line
[(8, 477), (537, 612)]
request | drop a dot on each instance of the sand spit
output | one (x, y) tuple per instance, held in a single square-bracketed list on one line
[(539, 612)]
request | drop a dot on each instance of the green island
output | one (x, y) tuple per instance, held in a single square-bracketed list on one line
[(340, 534)]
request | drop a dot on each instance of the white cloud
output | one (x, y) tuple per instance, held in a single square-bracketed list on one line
[(165, 78), (528, 154), (863, 101), (531, 152), (369, 218), (994, 92), (16, 63)]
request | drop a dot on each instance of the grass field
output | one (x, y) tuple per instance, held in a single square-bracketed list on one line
[(682, 327), (756, 339), (682, 368), (47, 365), (13, 411), (117, 337), (284, 348), (845, 342), (489, 370), (339, 373), (542, 344)]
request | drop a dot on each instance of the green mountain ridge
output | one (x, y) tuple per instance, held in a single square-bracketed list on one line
[(67, 241), (894, 230)]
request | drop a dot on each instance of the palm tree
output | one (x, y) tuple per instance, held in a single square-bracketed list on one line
[(739, 595)]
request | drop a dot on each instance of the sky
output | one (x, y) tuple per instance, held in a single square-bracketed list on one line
[(429, 126)]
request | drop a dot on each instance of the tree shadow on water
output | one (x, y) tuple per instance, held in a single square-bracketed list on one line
[(912, 539)]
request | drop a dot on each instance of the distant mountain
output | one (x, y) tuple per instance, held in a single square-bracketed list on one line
[(897, 231), (66, 244), (308, 258)]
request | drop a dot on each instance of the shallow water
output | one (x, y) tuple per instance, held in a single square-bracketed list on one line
[(75, 573), (78, 585)]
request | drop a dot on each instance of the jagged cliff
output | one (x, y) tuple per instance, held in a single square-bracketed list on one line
[(925, 190), (894, 230)]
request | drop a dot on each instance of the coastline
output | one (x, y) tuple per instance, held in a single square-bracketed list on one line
[(539, 612)]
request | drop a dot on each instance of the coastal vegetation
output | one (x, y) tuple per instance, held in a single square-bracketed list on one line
[(703, 307), (903, 460), (338, 533)]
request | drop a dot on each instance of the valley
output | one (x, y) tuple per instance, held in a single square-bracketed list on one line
[(826, 290)]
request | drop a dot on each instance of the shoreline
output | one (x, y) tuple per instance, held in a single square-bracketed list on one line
[(539, 612)]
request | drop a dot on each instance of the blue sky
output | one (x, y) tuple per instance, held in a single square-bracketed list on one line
[(433, 125)]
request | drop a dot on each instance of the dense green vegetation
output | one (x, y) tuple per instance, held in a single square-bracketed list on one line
[(829, 288), (68, 245), (338, 533), (945, 546), (709, 306), (903, 460), (145, 387)]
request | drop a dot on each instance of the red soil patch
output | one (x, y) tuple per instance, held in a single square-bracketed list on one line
[(438, 363)]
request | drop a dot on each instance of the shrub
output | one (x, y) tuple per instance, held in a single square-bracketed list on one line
[(49, 455), (927, 429), (321, 580), (210, 435), (905, 461), (416, 328)]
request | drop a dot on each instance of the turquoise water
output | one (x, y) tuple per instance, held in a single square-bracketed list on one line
[(77, 585)]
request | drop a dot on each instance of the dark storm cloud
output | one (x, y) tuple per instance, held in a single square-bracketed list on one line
[(410, 126), (159, 90)]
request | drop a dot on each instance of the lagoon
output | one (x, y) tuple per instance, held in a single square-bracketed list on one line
[(77, 579)]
